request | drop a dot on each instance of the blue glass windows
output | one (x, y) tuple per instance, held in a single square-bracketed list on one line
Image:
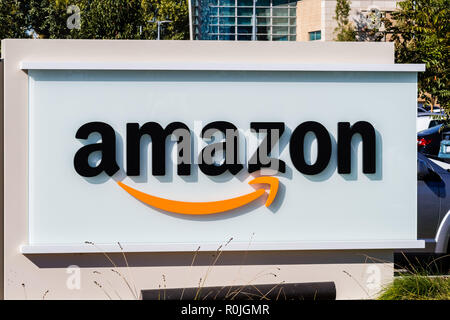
[(233, 20), (315, 35)]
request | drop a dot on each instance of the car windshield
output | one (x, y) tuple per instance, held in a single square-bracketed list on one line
[(434, 123)]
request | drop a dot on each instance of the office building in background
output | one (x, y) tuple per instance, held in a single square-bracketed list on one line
[(276, 20)]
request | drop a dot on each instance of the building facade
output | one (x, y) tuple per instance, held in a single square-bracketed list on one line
[(233, 20), (277, 20)]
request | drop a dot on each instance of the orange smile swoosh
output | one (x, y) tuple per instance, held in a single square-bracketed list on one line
[(200, 208)]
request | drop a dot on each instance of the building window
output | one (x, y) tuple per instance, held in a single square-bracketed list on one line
[(315, 35), (233, 20)]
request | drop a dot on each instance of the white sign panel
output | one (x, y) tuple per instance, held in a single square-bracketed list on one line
[(323, 195)]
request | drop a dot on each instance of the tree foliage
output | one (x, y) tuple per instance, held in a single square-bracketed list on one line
[(13, 19), (47, 19), (345, 30), (110, 19), (99, 19), (420, 29)]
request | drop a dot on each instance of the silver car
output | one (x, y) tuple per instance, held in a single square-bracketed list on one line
[(433, 205)]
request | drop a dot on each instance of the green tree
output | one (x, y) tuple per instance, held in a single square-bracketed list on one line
[(99, 19), (174, 10), (48, 18), (130, 19), (13, 19), (420, 30), (109, 19), (345, 30)]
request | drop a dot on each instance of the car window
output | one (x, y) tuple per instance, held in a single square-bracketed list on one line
[(435, 123), (421, 110)]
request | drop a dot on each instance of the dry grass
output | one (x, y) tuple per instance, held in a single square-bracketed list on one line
[(231, 295)]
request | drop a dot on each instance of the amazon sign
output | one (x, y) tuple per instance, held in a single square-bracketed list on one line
[(177, 159), (229, 147)]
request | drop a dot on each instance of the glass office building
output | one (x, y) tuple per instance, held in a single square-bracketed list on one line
[(233, 19)]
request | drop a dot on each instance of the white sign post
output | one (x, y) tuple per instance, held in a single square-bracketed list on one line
[(95, 130)]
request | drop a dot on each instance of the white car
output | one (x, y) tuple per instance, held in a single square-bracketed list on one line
[(427, 120), (422, 108)]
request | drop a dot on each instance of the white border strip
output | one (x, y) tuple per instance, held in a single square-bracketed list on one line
[(238, 246), (199, 66)]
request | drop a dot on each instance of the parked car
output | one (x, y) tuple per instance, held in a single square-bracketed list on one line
[(426, 120), (429, 140), (421, 110), (427, 107), (433, 204)]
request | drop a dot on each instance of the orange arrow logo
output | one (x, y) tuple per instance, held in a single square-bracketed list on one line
[(200, 208)]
